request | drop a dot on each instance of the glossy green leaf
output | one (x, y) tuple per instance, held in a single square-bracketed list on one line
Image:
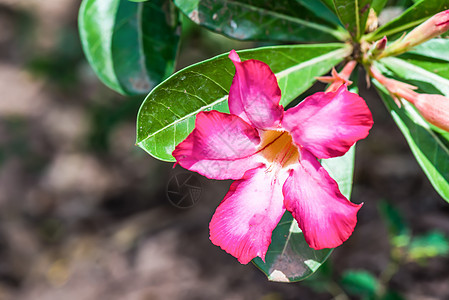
[(353, 14), (131, 46), (429, 147), (359, 282), (330, 4), (168, 113), (321, 10), (289, 258), (433, 49), (412, 17), (283, 20), (430, 76)]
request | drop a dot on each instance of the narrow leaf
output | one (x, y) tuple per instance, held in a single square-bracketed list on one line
[(424, 74), (321, 10), (353, 14), (330, 4), (412, 17), (168, 113), (289, 258), (433, 49), (131, 46), (283, 20)]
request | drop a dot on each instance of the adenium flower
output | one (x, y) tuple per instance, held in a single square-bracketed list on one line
[(272, 156)]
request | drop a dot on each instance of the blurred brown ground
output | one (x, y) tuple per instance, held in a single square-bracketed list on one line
[(84, 212)]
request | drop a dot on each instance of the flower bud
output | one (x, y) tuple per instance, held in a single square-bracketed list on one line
[(380, 45), (433, 27), (434, 108), (375, 50)]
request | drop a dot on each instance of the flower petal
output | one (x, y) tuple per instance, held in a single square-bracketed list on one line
[(243, 223), (255, 93), (222, 146), (325, 216), (328, 124)]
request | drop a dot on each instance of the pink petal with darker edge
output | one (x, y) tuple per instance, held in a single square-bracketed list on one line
[(222, 146), (255, 94), (243, 223), (328, 124), (325, 216)]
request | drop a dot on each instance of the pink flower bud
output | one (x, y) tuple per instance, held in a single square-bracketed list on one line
[(434, 108), (376, 50), (433, 27), (380, 45)]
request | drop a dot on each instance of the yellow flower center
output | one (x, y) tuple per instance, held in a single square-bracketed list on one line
[(278, 148)]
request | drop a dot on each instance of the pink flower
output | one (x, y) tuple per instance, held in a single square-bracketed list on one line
[(273, 155)]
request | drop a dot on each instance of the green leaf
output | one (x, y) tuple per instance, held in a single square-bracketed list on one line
[(353, 14), (378, 6), (429, 245), (433, 49), (429, 147), (359, 283), (131, 46), (289, 258), (168, 113), (412, 17), (430, 76), (321, 10), (330, 4), (283, 20)]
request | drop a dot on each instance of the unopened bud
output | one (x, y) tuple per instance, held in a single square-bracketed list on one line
[(380, 45), (376, 50), (434, 108), (433, 27)]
